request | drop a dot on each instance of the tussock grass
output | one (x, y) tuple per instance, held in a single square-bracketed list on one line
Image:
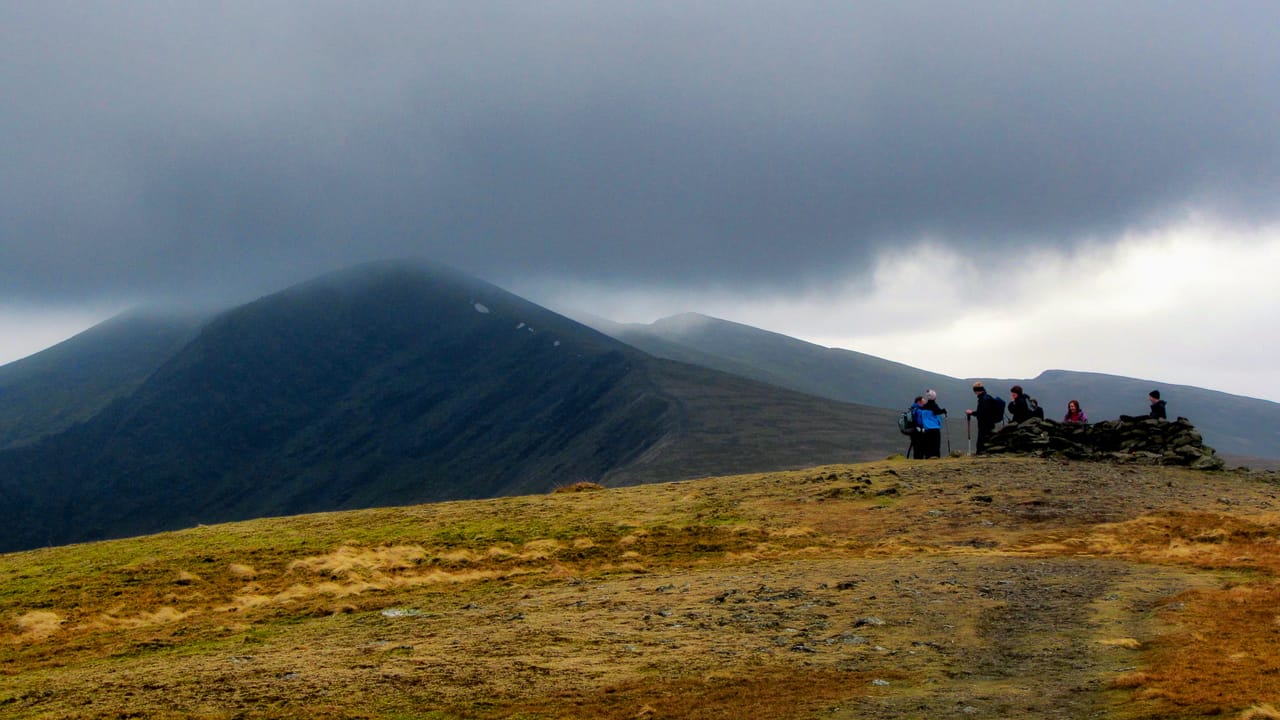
[(35, 626), (1224, 655), (582, 486), (1126, 643)]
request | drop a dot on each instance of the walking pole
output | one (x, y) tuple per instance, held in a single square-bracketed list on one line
[(948, 428), (968, 433)]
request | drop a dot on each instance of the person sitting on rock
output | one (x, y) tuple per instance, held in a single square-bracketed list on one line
[(1157, 406), (1019, 408), (1075, 415), (1157, 411)]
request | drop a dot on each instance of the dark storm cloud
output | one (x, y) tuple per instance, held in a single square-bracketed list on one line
[(201, 147)]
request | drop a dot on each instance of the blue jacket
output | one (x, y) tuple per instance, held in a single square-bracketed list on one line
[(925, 419)]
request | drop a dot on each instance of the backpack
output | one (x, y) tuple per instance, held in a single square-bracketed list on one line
[(1036, 410), (907, 421), (995, 409)]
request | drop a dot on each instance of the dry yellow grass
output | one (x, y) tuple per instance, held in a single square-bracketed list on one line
[(1016, 588)]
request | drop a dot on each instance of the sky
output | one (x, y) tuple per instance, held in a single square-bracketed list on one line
[(984, 189)]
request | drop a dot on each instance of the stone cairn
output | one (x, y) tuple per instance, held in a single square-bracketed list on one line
[(1142, 440)]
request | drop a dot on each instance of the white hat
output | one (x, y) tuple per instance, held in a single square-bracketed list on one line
[(932, 394)]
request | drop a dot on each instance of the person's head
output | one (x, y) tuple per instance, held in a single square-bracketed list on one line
[(1154, 396), (919, 400), (1073, 406), (1015, 390), (978, 389), (931, 395)]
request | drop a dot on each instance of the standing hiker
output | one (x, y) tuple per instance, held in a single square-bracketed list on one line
[(909, 424), (930, 444), (989, 412)]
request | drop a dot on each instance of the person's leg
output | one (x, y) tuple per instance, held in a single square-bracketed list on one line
[(933, 443)]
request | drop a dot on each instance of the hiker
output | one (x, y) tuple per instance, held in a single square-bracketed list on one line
[(989, 411), (909, 423), (1019, 410), (1022, 406), (929, 422), (1157, 406), (1157, 411), (931, 403), (1075, 415)]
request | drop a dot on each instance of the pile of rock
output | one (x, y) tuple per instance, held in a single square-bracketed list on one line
[(1144, 440)]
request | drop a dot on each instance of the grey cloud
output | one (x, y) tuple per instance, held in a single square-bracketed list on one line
[(173, 148)]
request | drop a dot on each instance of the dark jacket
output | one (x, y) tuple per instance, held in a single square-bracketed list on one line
[(988, 412), (1158, 411), (932, 406), (1019, 410)]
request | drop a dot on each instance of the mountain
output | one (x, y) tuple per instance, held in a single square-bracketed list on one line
[(781, 360), (1232, 424), (394, 383), (48, 392)]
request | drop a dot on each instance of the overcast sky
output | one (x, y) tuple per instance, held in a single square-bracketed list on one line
[(976, 188)]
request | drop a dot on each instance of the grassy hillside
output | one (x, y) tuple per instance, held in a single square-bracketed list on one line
[(991, 588)]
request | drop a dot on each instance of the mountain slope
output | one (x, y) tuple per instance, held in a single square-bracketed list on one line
[(774, 358), (48, 392), (1232, 424), (391, 384)]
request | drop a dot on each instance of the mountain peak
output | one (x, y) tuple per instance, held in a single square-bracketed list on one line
[(685, 322)]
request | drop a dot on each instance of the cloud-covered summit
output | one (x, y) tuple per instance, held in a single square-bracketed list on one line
[(158, 149)]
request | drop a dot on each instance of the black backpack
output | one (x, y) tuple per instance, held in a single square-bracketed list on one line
[(994, 409), (1036, 410)]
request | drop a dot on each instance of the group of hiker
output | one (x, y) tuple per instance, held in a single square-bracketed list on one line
[(923, 421)]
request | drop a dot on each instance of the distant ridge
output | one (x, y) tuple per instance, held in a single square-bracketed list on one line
[(1234, 425), (48, 392), (394, 383)]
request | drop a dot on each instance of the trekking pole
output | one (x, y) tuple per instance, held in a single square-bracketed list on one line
[(946, 425), (968, 433)]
